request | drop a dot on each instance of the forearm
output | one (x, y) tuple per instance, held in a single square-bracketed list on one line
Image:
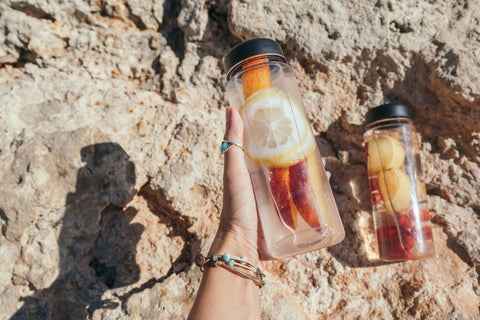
[(223, 293)]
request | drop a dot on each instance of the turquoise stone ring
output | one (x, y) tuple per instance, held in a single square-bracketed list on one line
[(227, 145)]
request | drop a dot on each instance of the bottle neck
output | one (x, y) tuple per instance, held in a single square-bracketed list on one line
[(387, 122), (253, 61)]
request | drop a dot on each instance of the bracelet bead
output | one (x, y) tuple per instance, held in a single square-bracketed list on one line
[(226, 257), (238, 265), (200, 260)]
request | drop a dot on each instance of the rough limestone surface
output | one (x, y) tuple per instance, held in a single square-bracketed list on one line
[(111, 116)]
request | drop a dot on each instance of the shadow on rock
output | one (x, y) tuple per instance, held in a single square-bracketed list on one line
[(179, 227), (97, 242)]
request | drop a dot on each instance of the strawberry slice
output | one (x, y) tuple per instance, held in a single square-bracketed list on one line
[(424, 214), (405, 222)]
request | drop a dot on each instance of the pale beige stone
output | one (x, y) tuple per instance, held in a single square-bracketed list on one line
[(111, 117)]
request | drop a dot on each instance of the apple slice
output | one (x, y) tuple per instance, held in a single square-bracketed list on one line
[(384, 153), (302, 194), (279, 182), (395, 187)]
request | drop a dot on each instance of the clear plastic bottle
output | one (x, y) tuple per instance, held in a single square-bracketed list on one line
[(398, 194), (294, 200)]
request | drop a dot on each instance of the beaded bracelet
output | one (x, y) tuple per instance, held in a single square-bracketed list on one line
[(234, 264)]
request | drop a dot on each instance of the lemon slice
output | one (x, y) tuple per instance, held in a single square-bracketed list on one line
[(395, 187), (275, 128), (307, 149), (384, 153)]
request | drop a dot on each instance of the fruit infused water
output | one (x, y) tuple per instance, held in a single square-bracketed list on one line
[(294, 200), (398, 195)]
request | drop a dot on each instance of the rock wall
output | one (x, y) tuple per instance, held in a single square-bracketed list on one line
[(112, 112)]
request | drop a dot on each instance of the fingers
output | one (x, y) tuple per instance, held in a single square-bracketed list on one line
[(239, 210), (234, 126), (234, 157)]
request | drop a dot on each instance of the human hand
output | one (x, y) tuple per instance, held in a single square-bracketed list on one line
[(240, 227), (239, 231), (223, 292)]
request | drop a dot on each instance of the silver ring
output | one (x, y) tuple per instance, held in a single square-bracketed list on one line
[(228, 144)]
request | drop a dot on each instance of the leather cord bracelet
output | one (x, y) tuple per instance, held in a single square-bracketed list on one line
[(237, 265)]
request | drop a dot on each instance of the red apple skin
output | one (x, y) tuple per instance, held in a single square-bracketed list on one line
[(302, 195), (279, 186)]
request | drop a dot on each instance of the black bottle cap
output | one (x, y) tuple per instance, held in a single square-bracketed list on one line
[(249, 49), (386, 111)]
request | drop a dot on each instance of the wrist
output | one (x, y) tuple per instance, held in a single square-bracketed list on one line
[(236, 244)]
